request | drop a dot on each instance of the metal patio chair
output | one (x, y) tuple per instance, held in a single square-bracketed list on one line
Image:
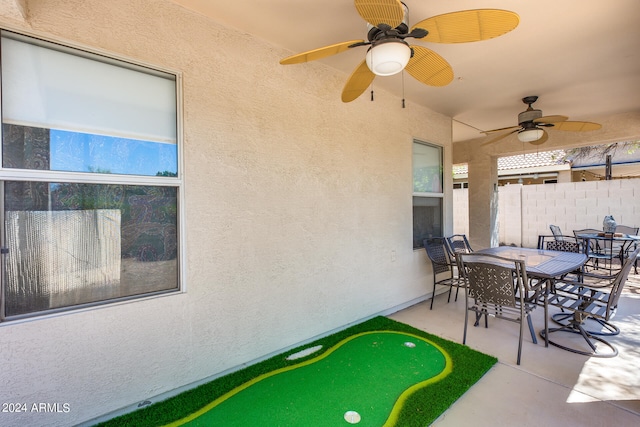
[(600, 251), (622, 249), (593, 302), (556, 231), (566, 244), (496, 286), (442, 263), (458, 243)]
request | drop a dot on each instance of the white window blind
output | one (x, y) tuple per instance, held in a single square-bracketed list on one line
[(44, 85)]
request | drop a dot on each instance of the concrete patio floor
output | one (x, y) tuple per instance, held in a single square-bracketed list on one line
[(551, 387)]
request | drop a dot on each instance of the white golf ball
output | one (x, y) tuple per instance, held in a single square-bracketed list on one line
[(352, 417)]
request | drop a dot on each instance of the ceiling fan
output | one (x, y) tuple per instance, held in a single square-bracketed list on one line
[(389, 53), (531, 123)]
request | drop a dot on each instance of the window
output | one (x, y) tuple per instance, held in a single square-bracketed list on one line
[(89, 178), (427, 192)]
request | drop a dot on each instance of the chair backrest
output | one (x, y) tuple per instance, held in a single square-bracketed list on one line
[(493, 279), (625, 229), (564, 246), (567, 244), (586, 231), (458, 243), (555, 230), (620, 280), (593, 244), (438, 254)]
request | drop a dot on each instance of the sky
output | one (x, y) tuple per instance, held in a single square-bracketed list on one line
[(82, 152)]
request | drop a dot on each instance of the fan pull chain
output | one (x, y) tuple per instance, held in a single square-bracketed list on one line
[(371, 94), (403, 89)]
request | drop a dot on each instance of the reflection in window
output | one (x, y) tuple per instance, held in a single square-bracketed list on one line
[(58, 150), (90, 178), (427, 168), (427, 219), (427, 178), (73, 243)]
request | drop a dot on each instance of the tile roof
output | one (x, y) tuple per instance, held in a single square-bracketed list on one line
[(546, 158)]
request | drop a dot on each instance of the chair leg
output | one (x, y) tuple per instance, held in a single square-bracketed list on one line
[(520, 338), (586, 337), (576, 328), (546, 316), (605, 328), (466, 320), (533, 334), (478, 317), (433, 294)]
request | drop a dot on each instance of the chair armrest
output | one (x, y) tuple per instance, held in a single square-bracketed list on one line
[(595, 280)]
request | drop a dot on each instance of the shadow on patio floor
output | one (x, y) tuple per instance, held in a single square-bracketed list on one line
[(552, 386)]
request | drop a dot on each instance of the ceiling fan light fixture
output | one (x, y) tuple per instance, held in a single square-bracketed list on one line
[(388, 58), (530, 135)]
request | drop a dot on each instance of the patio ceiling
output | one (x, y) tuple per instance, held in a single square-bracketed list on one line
[(583, 60)]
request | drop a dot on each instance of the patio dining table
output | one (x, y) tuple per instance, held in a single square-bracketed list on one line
[(625, 241), (542, 263), (545, 265)]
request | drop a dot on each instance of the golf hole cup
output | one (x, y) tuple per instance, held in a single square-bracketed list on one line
[(352, 417)]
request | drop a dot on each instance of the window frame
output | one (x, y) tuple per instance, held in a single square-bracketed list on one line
[(39, 175), (428, 195)]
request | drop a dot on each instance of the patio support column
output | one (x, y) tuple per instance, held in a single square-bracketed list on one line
[(483, 200)]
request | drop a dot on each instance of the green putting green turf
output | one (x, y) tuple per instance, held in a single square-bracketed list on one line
[(417, 405), (367, 374)]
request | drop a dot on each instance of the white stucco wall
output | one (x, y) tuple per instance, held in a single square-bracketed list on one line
[(297, 216)]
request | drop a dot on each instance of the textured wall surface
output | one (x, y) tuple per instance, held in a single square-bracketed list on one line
[(526, 211), (297, 215), (13, 9)]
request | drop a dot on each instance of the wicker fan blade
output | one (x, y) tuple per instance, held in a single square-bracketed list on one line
[(319, 53), (377, 12), (551, 119), (501, 129), (542, 139), (469, 25), (359, 81), (428, 67), (499, 137), (577, 126)]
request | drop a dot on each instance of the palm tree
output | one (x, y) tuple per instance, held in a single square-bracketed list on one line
[(599, 150)]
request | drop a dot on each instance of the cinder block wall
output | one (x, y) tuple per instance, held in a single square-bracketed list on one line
[(526, 211), (461, 211)]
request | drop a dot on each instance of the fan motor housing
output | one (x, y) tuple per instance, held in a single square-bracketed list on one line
[(529, 116)]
